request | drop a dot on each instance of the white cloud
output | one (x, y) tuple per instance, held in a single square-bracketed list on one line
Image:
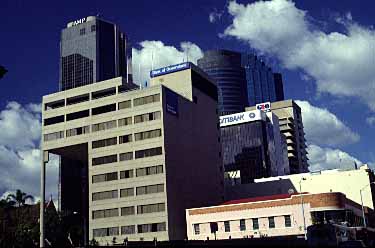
[(19, 151), (215, 16), (157, 54), (370, 120), (328, 158), (324, 128), (341, 63)]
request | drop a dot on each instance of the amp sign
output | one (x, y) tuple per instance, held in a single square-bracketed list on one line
[(228, 120), (80, 21)]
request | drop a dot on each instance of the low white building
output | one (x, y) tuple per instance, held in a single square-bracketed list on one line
[(278, 215)]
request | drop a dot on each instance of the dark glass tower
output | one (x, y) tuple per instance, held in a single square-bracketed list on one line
[(92, 50), (225, 68), (243, 80)]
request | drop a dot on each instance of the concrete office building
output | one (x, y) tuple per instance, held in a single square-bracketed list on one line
[(252, 146), (352, 183), (243, 80), (144, 155), (92, 50), (278, 215), (291, 126)]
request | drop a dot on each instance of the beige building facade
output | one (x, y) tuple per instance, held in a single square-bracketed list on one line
[(144, 155)]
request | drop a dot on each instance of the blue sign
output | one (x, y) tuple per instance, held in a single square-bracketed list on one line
[(170, 69), (171, 102)]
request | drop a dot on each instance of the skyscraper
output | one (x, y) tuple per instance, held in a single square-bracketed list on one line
[(243, 80), (92, 50), (225, 68)]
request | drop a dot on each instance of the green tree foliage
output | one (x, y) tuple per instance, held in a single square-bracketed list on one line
[(2, 71)]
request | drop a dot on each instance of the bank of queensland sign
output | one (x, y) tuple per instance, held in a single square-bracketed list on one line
[(169, 69), (228, 120)]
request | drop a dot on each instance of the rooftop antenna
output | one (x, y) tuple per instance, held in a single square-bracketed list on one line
[(139, 75)]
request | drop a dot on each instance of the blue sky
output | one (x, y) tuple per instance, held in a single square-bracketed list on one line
[(324, 49)]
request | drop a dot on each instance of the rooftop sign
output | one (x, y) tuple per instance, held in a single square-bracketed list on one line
[(169, 69), (248, 116), (265, 107), (79, 21)]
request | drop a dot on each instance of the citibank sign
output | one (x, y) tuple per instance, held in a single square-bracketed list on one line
[(243, 117)]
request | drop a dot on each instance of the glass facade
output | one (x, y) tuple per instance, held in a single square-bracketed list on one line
[(246, 149), (92, 51), (242, 79)]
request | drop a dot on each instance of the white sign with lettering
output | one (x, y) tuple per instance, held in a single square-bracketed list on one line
[(248, 116)]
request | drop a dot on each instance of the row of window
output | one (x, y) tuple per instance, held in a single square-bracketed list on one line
[(127, 156), (100, 94), (125, 230), (255, 224), (146, 171), (126, 138), (128, 192), (107, 125), (126, 211)]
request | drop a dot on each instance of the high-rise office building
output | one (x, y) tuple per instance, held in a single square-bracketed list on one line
[(243, 80), (225, 68), (92, 50), (291, 126), (142, 156), (252, 147)]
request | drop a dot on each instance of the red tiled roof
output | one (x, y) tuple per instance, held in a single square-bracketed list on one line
[(261, 198)]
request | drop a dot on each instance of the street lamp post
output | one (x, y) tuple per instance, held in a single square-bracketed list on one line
[(363, 209), (303, 208)]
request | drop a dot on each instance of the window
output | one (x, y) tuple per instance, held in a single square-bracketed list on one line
[(103, 109), (103, 126), (125, 121), (255, 224), (104, 177), (125, 139), (127, 192), (196, 229), (125, 104), (82, 31), (151, 208), (126, 156), (54, 105), (147, 117), (77, 131), (111, 194), (54, 136), (54, 120), (104, 143), (154, 227), (271, 222), (103, 93), (126, 174), (127, 211), (151, 170), (104, 160), (226, 226), (288, 221), (147, 134), (128, 229), (148, 152), (242, 225), (214, 227), (146, 100), (77, 99), (150, 189), (77, 115), (106, 213), (93, 28), (102, 232)]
